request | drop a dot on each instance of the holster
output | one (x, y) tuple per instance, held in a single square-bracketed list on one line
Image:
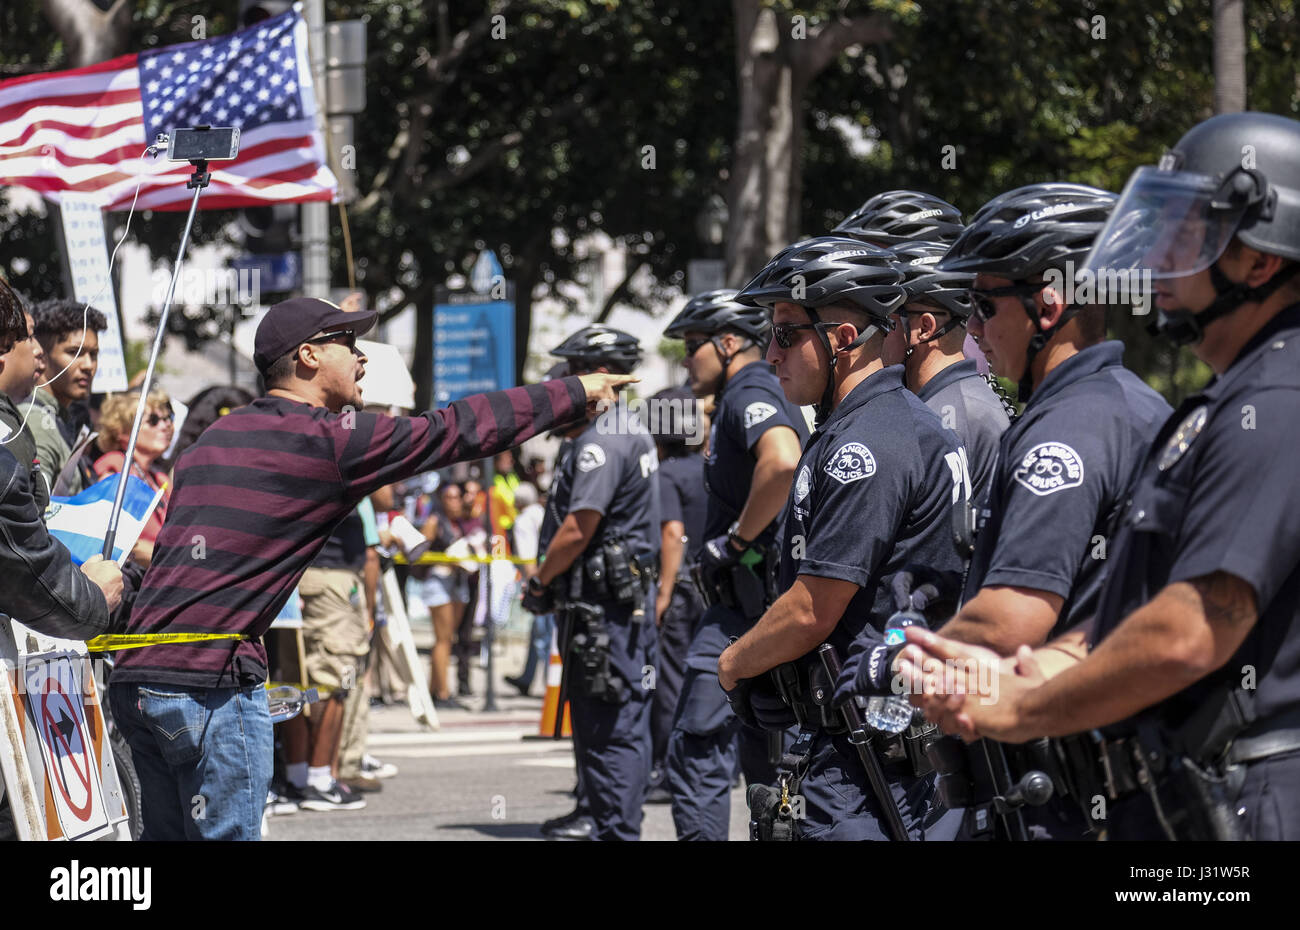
[(589, 649), (747, 589)]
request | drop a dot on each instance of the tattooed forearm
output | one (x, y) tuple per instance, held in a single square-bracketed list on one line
[(1225, 600)]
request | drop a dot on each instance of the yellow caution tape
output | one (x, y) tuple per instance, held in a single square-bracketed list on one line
[(435, 558), (111, 642)]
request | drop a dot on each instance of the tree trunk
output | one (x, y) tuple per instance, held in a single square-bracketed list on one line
[(1229, 56), (90, 33), (773, 69)]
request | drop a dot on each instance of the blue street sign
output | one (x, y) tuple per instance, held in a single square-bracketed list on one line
[(486, 271), (277, 271), (473, 348)]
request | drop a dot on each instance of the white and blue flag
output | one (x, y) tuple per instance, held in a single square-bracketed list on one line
[(81, 522)]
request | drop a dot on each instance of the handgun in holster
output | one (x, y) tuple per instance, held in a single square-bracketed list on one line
[(589, 648)]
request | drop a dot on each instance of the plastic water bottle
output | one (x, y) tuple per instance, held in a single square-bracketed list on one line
[(893, 713), (286, 702)]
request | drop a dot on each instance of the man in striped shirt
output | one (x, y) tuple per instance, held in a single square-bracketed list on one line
[(253, 502)]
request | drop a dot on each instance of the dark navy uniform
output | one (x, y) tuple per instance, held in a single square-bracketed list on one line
[(681, 498), (610, 468), (702, 750), (967, 406), (1065, 469), (874, 492), (1218, 493)]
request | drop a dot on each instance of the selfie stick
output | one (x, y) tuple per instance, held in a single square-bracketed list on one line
[(197, 182)]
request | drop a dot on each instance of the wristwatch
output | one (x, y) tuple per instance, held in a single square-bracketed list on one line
[(734, 538)]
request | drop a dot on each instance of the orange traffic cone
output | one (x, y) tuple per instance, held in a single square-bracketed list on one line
[(554, 669)]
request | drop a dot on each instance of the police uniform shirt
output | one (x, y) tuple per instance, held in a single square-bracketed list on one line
[(967, 406), (1219, 493), (1064, 471), (751, 403), (682, 498), (610, 468), (874, 491)]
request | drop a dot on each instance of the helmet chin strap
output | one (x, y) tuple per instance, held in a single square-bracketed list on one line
[(823, 408), (943, 330), (1184, 328), (1036, 342), (725, 357)]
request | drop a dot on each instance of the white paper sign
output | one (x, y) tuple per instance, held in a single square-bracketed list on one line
[(83, 231)]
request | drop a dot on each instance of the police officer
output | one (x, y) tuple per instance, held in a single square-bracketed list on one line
[(1066, 466), (680, 429), (1197, 636), (927, 342), (601, 539), (754, 443), (874, 493)]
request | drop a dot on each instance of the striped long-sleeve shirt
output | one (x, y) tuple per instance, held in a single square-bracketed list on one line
[(257, 495)]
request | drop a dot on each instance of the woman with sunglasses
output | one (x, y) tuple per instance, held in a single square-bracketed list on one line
[(116, 416)]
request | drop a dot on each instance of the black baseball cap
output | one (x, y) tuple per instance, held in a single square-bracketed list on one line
[(290, 323)]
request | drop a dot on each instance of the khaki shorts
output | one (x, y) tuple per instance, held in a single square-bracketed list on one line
[(335, 634)]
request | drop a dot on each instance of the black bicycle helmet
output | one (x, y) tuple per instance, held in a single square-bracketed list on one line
[(895, 217), (718, 311), (599, 346), (826, 271), (1023, 234), (925, 283)]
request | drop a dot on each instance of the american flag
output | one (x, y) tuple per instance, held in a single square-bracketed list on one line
[(84, 130)]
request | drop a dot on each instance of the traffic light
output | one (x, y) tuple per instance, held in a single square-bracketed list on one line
[(270, 229)]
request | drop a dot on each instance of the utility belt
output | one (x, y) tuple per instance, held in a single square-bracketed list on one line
[(1192, 775), (748, 587), (611, 571), (807, 690), (588, 655)]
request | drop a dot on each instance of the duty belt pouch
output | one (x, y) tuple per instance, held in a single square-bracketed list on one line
[(915, 741), (597, 586), (623, 582), (772, 808)]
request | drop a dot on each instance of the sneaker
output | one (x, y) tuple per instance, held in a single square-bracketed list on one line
[(363, 782), (372, 766), (337, 798), (284, 800), (448, 704)]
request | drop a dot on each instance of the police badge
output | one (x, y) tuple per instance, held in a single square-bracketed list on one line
[(1183, 438)]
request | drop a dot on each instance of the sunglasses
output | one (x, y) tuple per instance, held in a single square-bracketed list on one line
[(346, 336), (154, 419), (783, 333), (694, 345), (982, 301)]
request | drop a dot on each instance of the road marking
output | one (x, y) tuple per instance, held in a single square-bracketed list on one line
[(467, 735), (475, 749)]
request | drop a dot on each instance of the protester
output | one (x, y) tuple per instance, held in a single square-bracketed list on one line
[(69, 334), (42, 587), (116, 416), (527, 530), (21, 369), (253, 503)]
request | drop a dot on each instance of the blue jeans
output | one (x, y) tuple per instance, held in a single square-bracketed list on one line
[(539, 648), (203, 756)]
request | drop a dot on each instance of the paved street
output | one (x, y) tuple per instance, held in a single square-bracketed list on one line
[(478, 778)]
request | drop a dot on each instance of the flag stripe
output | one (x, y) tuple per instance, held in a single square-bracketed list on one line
[(85, 130)]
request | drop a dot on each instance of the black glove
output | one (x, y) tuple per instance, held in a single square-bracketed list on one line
[(770, 709), (716, 555), (738, 698), (538, 598)]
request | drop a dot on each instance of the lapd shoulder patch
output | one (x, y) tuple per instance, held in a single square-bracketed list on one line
[(802, 484), (757, 412), (591, 457), (851, 462), (1050, 467)]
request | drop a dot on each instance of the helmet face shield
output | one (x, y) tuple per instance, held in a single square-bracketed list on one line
[(1168, 223)]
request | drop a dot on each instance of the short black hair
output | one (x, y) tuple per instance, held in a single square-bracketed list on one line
[(13, 318), (59, 316), (281, 370)]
